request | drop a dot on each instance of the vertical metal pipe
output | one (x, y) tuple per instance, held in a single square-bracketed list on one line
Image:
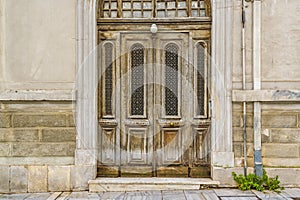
[(244, 87), (258, 168)]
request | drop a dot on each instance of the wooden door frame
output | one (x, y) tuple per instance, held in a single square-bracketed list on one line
[(87, 84)]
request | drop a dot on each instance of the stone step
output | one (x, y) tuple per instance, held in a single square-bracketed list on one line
[(137, 184)]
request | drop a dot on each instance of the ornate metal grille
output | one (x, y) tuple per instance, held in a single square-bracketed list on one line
[(200, 79), (171, 79), (137, 79), (108, 48), (154, 8)]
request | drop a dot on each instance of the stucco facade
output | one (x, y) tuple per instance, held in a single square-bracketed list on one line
[(48, 78)]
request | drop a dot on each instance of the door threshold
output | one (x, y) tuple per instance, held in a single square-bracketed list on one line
[(137, 184)]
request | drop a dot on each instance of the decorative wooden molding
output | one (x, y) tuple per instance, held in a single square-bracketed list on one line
[(182, 20), (265, 95), (108, 123)]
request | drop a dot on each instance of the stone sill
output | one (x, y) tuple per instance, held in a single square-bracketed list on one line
[(37, 95), (266, 95), (135, 184)]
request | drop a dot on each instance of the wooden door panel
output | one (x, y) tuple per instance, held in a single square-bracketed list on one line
[(136, 95), (171, 146), (171, 77), (137, 148), (173, 118), (173, 171), (108, 146), (109, 106)]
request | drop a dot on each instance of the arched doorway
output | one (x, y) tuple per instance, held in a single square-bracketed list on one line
[(154, 88)]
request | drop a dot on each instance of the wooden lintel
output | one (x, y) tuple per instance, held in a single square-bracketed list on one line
[(266, 95), (154, 20)]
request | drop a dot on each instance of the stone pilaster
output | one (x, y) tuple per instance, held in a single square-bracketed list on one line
[(86, 98), (221, 58)]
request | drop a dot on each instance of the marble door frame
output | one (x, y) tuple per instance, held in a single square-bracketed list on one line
[(87, 83)]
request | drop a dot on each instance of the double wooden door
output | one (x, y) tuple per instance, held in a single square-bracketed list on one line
[(147, 105)]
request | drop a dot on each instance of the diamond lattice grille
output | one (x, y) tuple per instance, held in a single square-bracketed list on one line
[(137, 80)]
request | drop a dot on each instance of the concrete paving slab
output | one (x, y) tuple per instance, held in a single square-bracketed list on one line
[(210, 195), (239, 198), (171, 195), (270, 195), (39, 196), (15, 196), (54, 196), (63, 196), (292, 192), (233, 193), (94, 196), (143, 195), (113, 195), (193, 195)]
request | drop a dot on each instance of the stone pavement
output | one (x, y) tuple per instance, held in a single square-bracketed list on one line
[(208, 194)]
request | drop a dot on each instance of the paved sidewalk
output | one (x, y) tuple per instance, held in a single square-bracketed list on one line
[(209, 194)]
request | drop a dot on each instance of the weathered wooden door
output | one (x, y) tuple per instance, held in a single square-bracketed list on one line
[(136, 104), (148, 91)]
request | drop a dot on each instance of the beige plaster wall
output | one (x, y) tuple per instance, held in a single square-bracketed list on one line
[(237, 72), (281, 42), (280, 45), (39, 44), (2, 36), (280, 69)]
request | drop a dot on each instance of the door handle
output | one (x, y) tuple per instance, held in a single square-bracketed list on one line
[(171, 123)]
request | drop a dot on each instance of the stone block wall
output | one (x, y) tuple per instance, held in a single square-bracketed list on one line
[(280, 139), (238, 145), (44, 178), (281, 135), (37, 146)]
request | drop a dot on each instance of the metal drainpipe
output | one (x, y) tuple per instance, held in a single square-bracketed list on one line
[(244, 86), (258, 168)]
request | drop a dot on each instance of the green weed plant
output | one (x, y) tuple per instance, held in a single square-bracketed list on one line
[(253, 182)]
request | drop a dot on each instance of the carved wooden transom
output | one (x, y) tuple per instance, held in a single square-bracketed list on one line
[(154, 8)]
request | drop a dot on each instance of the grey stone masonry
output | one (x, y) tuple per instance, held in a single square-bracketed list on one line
[(280, 120), (5, 120), (19, 135), (58, 135), (39, 120), (4, 179), (4, 149), (41, 149), (37, 179), (59, 178), (32, 132), (18, 179), (280, 150)]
